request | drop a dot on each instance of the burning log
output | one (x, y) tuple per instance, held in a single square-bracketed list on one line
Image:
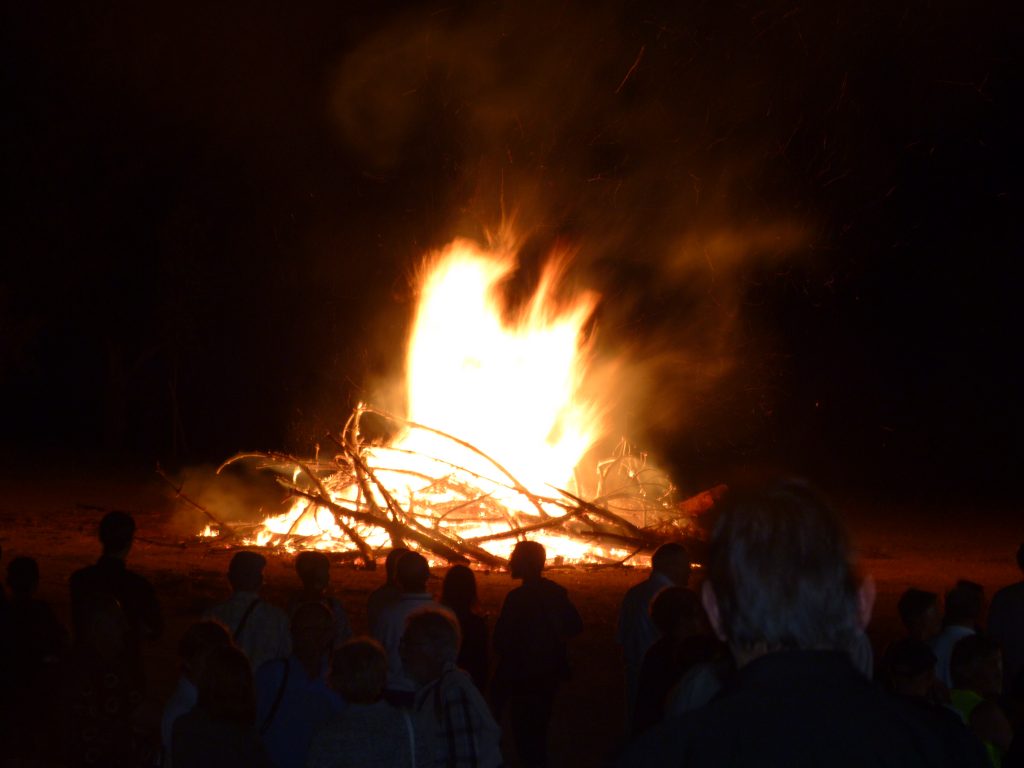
[(368, 498)]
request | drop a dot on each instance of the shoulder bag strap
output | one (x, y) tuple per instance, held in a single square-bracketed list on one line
[(277, 699), (412, 738), (245, 617)]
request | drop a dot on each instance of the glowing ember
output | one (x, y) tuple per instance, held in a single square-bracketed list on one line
[(497, 422)]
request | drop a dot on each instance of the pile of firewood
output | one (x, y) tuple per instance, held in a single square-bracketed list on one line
[(634, 514)]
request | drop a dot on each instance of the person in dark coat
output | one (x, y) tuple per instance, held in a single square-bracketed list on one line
[(220, 732), (111, 576), (458, 592), (530, 637)]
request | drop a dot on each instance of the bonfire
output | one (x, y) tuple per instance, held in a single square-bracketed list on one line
[(500, 415)]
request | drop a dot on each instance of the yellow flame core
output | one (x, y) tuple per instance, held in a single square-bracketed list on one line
[(506, 385)]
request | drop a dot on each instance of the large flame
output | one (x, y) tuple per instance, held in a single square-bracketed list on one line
[(501, 391), (508, 385)]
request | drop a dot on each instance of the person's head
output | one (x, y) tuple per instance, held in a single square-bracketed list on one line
[(312, 629), (429, 643), (458, 591), (976, 664), (225, 687), (677, 612), (910, 668), (919, 612), (391, 564), (23, 576), (964, 603), (359, 669), (673, 561), (527, 560), (314, 569), (196, 643), (412, 572), (246, 571), (117, 531), (779, 574)]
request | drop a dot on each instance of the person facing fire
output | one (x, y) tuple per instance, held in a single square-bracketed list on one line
[(259, 628), (530, 637), (412, 573), (783, 592), (388, 592), (451, 713), (111, 576), (636, 632), (314, 571)]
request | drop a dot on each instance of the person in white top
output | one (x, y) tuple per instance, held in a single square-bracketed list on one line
[(411, 573), (259, 628), (964, 603), (195, 644)]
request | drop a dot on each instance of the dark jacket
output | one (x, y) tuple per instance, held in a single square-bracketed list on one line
[(799, 708), (530, 635)]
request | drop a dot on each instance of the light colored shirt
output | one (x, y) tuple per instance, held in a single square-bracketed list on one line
[(390, 627), (264, 636), (942, 644), (458, 722)]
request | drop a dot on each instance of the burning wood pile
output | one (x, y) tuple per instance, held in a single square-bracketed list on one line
[(500, 417), (369, 498)]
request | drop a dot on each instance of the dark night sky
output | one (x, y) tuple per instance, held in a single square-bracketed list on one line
[(802, 220)]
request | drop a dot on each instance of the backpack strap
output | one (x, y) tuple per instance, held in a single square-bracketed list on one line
[(277, 699), (245, 617)]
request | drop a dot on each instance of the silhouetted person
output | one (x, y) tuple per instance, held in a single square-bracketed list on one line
[(387, 592), (101, 691), (292, 694), (670, 567), (32, 642), (530, 637), (458, 592), (220, 730), (38, 636), (964, 603), (910, 676), (3, 593), (259, 628), (919, 613), (368, 731), (314, 570), (1006, 625), (411, 574), (193, 649), (977, 673), (450, 709), (110, 575), (782, 591), (685, 640)]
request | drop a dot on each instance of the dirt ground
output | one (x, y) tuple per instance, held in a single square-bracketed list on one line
[(54, 520)]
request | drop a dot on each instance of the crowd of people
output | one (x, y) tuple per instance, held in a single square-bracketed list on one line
[(764, 662)]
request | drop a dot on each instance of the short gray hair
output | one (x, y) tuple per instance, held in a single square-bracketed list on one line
[(436, 631)]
